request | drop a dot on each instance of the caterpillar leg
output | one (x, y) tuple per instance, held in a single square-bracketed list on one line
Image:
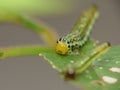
[(78, 67)]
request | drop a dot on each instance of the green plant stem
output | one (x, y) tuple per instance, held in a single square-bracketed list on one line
[(49, 36), (22, 51)]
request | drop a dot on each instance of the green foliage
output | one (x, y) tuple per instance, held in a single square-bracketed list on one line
[(42, 7), (102, 74), (59, 62), (95, 76)]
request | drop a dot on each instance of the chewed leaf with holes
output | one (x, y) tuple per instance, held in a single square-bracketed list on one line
[(103, 74), (107, 68)]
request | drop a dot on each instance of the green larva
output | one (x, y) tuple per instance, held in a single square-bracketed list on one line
[(80, 33)]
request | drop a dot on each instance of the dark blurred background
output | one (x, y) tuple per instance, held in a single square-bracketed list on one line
[(34, 73)]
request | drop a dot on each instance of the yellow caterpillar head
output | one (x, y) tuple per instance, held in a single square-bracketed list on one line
[(61, 48)]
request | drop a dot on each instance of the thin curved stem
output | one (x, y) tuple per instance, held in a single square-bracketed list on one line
[(49, 36), (22, 51)]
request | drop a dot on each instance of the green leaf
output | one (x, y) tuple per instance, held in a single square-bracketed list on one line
[(96, 77), (106, 66), (59, 62), (103, 74)]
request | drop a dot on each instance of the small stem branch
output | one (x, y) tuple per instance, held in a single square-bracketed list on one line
[(22, 51)]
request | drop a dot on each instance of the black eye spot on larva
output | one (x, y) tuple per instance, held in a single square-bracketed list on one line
[(68, 42), (57, 42), (76, 44), (60, 39), (68, 46), (79, 46), (72, 47)]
